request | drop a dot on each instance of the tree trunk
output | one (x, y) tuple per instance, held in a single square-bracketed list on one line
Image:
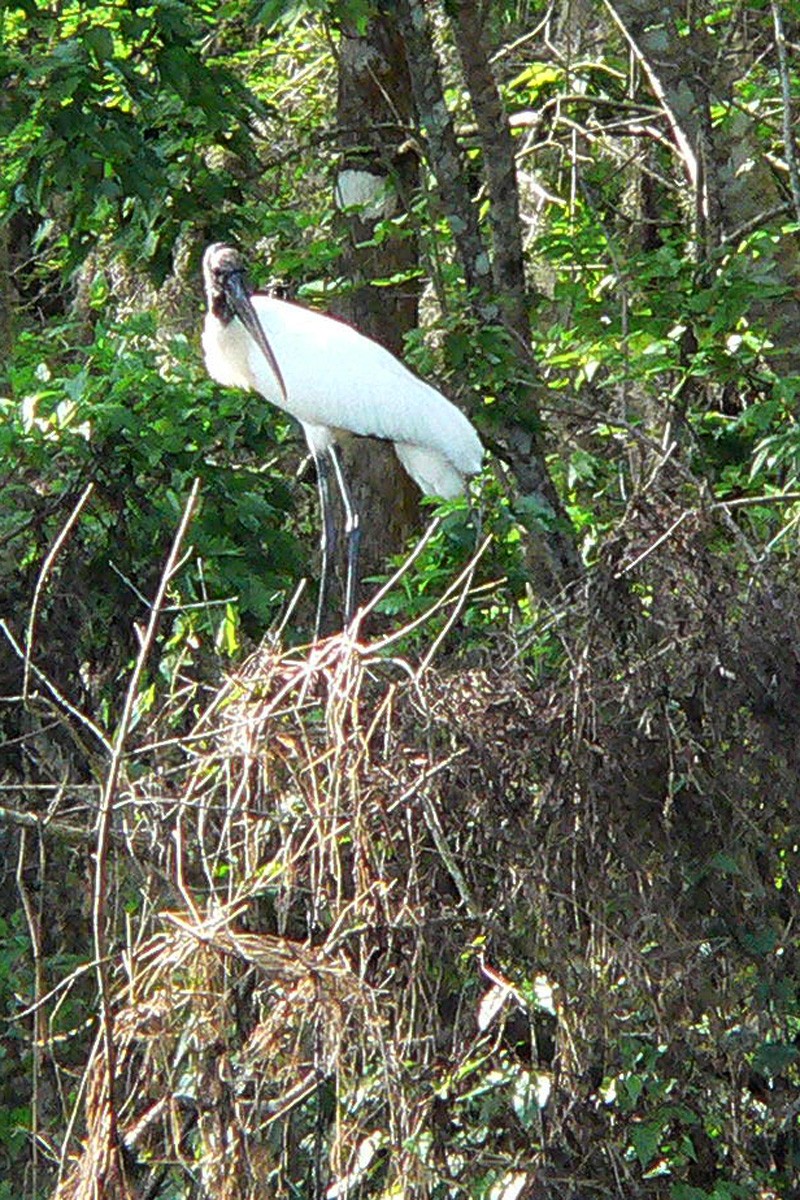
[(446, 158), (735, 188), (377, 175), (497, 286), (499, 166), (6, 294)]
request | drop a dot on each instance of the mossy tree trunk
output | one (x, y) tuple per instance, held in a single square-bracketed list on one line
[(736, 189), (377, 175)]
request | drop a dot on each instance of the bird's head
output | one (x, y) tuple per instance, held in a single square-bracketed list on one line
[(229, 296)]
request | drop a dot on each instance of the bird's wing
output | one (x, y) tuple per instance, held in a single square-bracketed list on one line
[(339, 378)]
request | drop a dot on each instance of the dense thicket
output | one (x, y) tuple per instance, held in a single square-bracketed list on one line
[(497, 897)]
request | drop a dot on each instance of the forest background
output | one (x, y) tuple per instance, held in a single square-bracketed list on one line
[(499, 897)]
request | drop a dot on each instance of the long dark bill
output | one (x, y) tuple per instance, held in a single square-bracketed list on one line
[(242, 305)]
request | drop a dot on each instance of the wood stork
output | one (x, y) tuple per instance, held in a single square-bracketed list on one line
[(332, 379)]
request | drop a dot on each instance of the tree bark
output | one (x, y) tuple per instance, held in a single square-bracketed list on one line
[(497, 286), (377, 175), (499, 166), (735, 188), (6, 293), (446, 158)]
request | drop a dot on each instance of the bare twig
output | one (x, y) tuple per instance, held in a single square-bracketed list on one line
[(447, 856), (464, 582), (47, 566), (105, 814), (61, 700), (33, 920), (72, 834), (754, 223), (682, 142), (402, 570), (453, 589), (787, 117), (688, 512)]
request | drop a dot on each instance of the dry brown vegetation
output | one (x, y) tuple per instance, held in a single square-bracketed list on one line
[(388, 924), (500, 904)]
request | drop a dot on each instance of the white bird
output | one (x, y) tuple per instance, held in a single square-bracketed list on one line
[(332, 378)]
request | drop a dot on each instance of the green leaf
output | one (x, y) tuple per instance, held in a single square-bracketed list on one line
[(724, 864), (646, 1139), (99, 41), (774, 1057)]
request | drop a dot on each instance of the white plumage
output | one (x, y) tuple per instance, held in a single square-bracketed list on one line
[(332, 378)]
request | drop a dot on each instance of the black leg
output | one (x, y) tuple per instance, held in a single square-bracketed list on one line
[(352, 533), (327, 538)]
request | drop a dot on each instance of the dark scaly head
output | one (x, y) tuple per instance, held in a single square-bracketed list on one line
[(229, 296)]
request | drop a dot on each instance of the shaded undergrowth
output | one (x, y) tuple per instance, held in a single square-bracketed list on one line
[(380, 925)]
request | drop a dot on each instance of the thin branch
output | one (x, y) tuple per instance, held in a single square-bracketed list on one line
[(33, 921), (788, 119), (682, 141), (688, 512), (747, 227), (106, 809), (445, 154), (40, 582), (61, 700), (448, 858), (71, 834), (396, 635)]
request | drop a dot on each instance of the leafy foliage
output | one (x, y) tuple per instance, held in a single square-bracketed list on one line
[(137, 422), (521, 920), (121, 113)]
